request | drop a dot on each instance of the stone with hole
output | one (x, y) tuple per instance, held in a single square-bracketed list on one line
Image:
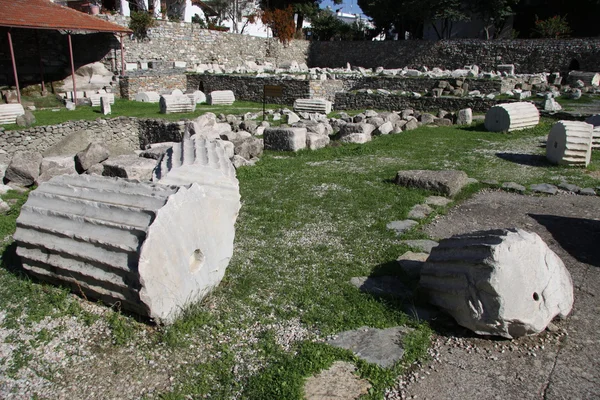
[(504, 282)]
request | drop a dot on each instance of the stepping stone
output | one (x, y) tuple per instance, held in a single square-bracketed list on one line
[(543, 188), (423, 245), (382, 347), (402, 226), (471, 181), (381, 286), (448, 182), (587, 192), (437, 201), (569, 187), (513, 186), (420, 211), (337, 383), (411, 263)]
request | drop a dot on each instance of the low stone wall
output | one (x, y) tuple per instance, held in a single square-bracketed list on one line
[(250, 88), (419, 85), (122, 134), (149, 81), (364, 101)]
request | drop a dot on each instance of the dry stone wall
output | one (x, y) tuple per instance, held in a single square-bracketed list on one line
[(123, 133), (392, 102), (179, 41), (528, 55), (150, 81)]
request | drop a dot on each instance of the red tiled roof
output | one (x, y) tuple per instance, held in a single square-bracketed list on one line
[(43, 14)]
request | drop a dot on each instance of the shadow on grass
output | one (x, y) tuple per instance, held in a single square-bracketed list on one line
[(532, 160)]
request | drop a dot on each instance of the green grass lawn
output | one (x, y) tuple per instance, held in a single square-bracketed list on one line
[(126, 108), (310, 221)]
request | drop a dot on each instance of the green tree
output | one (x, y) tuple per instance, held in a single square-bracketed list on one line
[(447, 12), (302, 8), (494, 14)]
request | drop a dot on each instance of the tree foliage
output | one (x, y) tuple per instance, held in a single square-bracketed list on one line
[(494, 14), (554, 27), (140, 22), (326, 26), (302, 8), (281, 22)]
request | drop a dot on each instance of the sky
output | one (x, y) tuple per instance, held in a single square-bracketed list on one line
[(349, 6)]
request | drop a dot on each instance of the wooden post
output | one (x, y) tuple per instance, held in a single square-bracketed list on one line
[(14, 64), (72, 68)]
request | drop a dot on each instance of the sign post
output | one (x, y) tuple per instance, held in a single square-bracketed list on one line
[(270, 91)]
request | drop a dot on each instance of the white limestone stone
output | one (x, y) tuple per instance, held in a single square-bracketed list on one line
[(221, 97), (198, 97), (105, 105), (284, 139), (131, 66), (313, 105), (595, 121), (148, 97), (315, 141), (176, 104), (129, 166), (177, 92), (570, 143), (588, 78), (502, 282), (179, 64), (551, 105), (356, 133), (511, 117), (465, 117), (508, 68), (10, 112), (152, 248), (96, 98)]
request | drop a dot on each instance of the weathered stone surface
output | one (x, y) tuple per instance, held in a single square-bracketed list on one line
[(411, 124), (313, 105), (96, 169), (570, 143), (355, 133), (170, 104), (438, 201), (339, 382), (595, 121), (385, 128), (10, 112), (221, 97), (105, 105), (155, 151), (96, 99), (447, 182), (381, 286), (314, 141), (148, 97), (382, 347), (249, 148), (587, 192), (26, 120), (503, 282), (464, 117), (93, 154), (569, 187), (551, 105), (511, 117), (24, 168), (129, 166), (197, 97), (543, 188), (420, 211), (402, 226), (285, 139), (513, 186), (411, 263), (423, 245), (588, 78), (239, 161), (55, 166), (152, 248)]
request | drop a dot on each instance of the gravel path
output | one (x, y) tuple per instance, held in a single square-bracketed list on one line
[(564, 361)]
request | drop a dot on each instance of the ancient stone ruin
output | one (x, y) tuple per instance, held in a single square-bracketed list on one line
[(152, 247), (570, 143), (511, 117), (502, 282)]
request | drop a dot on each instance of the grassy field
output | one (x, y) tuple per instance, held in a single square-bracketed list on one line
[(310, 222), (126, 108)]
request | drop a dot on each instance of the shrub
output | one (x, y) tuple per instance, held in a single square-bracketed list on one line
[(553, 27), (140, 22), (281, 23)]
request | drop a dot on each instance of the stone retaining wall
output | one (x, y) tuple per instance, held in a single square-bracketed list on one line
[(152, 82), (123, 133), (364, 101), (529, 55), (419, 84)]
